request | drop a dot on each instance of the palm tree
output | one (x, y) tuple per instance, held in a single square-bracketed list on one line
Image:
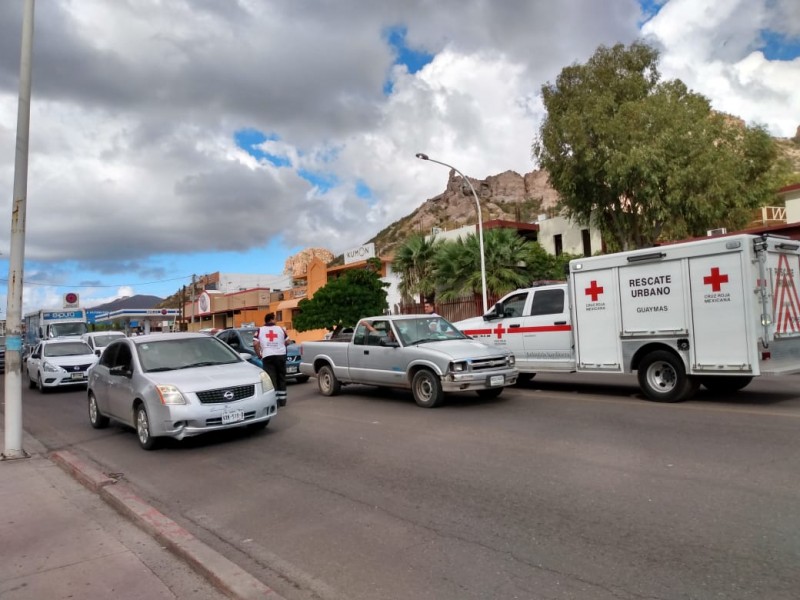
[(414, 262), (511, 262)]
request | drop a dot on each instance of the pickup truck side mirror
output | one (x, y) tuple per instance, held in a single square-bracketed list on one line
[(494, 312)]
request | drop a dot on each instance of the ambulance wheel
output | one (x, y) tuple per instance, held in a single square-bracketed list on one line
[(663, 378), (427, 389), (525, 378), (327, 382), (490, 393), (726, 383)]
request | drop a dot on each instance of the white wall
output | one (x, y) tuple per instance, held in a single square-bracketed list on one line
[(571, 236), (793, 207)]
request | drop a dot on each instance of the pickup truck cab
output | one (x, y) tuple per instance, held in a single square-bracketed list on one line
[(423, 353)]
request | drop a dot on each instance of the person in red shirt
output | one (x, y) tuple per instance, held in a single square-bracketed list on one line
[(270, 342)]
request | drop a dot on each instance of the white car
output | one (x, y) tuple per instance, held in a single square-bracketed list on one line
[(59, 362), (98, 340)]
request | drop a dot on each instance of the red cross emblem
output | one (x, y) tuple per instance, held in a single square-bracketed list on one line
[(715, 280), (499, 331), (271, 335), (594, 291)]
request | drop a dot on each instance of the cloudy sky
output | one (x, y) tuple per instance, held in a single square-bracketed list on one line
[(179, 137)]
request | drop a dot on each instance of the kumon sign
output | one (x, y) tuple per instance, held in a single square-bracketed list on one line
[(358, 254)]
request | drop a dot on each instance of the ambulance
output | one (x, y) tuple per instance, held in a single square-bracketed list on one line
[(714, 312)]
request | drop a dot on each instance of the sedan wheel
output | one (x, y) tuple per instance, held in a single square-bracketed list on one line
[(146, 441), (96, 418), (40, 384)]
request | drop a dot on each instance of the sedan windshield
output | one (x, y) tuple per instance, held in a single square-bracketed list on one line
[(184, 353), (66, 349)]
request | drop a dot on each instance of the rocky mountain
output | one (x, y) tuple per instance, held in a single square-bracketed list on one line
[(507, 196), (139, 301)]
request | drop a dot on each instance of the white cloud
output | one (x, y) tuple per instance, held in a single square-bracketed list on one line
[(711, 45), (135, 106)]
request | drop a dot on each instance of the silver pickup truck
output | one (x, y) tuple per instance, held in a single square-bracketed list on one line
[(422, 352)]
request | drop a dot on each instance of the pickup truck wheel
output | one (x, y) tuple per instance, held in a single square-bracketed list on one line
[(327, 382), (726, 383), (427, 389), (663, 378)]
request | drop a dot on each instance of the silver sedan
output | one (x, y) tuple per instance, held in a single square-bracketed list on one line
[(177, 385)]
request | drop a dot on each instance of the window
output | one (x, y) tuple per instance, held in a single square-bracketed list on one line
[(559, 245), (587, 242), (278, 316), (514, 305), (547, 302), (360, 336)]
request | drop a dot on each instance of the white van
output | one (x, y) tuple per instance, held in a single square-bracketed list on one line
[(98, 340)]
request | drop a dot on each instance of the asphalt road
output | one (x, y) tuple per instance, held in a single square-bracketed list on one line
[(572, 487)]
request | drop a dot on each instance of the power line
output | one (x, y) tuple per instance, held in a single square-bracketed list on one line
[(87, 285)]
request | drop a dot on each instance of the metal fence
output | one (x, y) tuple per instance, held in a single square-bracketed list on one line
[(453, 310)]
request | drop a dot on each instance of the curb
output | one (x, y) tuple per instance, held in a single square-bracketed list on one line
[(223, 573)]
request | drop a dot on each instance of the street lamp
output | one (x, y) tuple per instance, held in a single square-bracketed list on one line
[(422, 156)]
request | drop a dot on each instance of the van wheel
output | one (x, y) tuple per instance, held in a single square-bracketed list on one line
[(427, 389), (327, 382), (663, 378), (726, 383)]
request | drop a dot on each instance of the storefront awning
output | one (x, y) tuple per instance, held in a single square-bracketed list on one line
[(288, 304)]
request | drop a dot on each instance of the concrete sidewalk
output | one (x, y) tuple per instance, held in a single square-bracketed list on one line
[(60, 539)]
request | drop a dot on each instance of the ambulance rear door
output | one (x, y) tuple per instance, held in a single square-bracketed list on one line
[(596, 320)]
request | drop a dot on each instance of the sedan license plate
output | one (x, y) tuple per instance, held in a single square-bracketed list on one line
[(495, 380), (232, 416), (292, 369), (78, 376)]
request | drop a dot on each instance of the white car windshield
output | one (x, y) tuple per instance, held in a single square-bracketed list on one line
[(66, 349), (101, 341), (184, 353)]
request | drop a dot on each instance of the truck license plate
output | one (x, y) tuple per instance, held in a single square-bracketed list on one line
[(291, 369), (232, 416), (496, 380)]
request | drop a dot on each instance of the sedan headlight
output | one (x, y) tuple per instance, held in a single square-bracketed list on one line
[(51, 368), (170, 394), (458, 367), (266, 383)]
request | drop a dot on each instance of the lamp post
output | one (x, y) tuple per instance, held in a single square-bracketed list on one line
[(422, 156)]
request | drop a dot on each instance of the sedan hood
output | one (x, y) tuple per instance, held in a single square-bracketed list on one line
[(71, 361), (208, 378)]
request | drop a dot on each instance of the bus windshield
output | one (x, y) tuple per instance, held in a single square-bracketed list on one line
[(67, 329)]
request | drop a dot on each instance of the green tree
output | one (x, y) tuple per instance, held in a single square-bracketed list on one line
[(642, 158), (413, 260), (343, 301), (511, 262)]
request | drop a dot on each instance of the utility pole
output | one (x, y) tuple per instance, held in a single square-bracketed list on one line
[(13, 386), (194, 278)]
